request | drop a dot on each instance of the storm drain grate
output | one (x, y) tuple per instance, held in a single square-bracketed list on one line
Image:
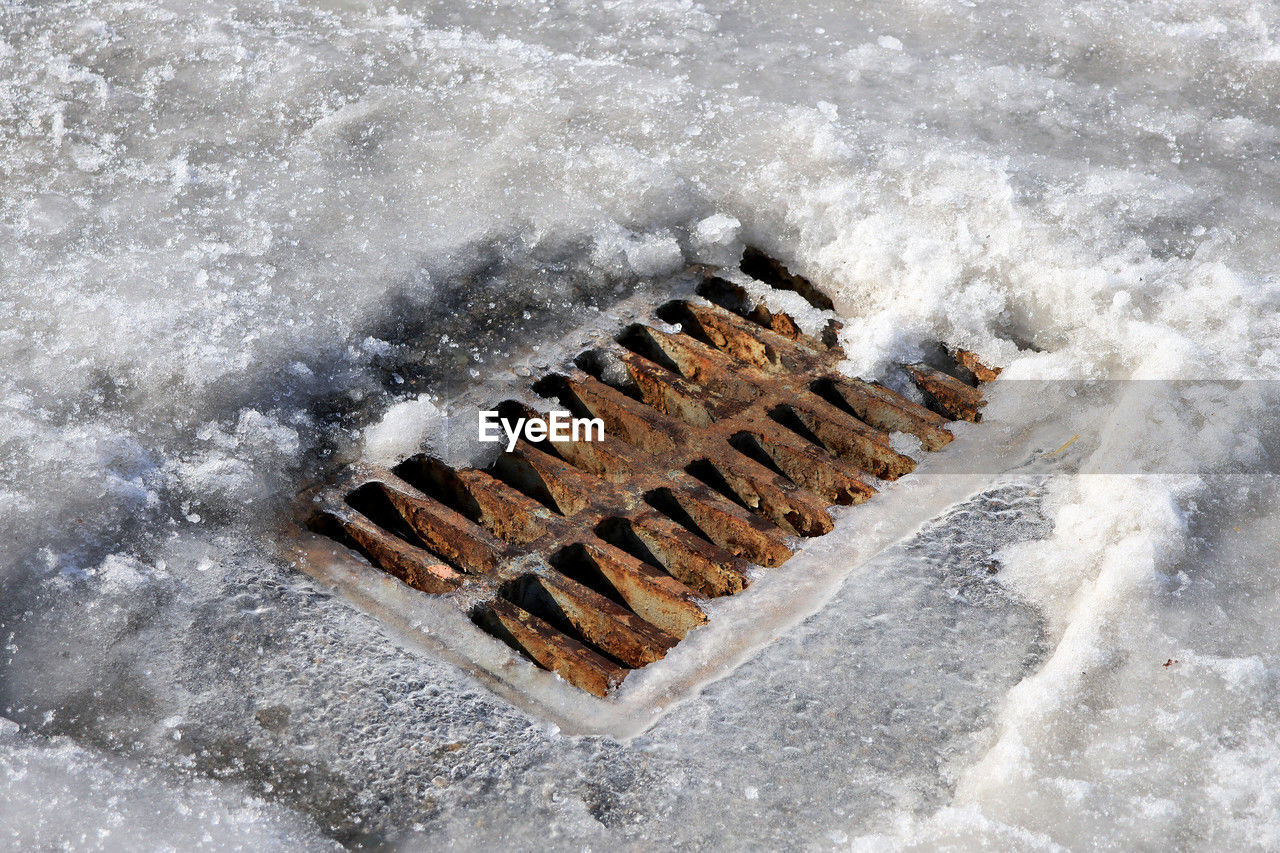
[(729, 430)]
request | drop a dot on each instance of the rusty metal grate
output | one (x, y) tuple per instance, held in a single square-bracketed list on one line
[(729, 432)]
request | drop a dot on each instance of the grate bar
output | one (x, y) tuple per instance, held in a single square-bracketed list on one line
[(889, 411), (787, 504), (445, 531), (551, 649), (954, 398), (614, 629)]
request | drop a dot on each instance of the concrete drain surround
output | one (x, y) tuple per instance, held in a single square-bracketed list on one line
[(729, 434)]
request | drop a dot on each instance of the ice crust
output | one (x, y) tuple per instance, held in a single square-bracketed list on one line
[(232, 236)]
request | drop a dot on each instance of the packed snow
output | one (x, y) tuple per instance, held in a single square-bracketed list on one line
[(241, 243)]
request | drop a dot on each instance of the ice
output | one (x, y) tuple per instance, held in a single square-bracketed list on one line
[(715, 240), (59, 794), (242, 243), (403, 431)]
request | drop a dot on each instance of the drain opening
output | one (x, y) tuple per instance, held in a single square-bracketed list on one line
[(704, 472), (577, 562), (372, 502), (758, 265), (727, 432), (619, 533), (437, 480), (787, 416), (517, 472)]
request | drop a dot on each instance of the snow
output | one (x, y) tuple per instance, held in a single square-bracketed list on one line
[(244, 242)]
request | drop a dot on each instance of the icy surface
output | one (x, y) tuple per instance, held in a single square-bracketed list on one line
[(233, 234), (60, 795)]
